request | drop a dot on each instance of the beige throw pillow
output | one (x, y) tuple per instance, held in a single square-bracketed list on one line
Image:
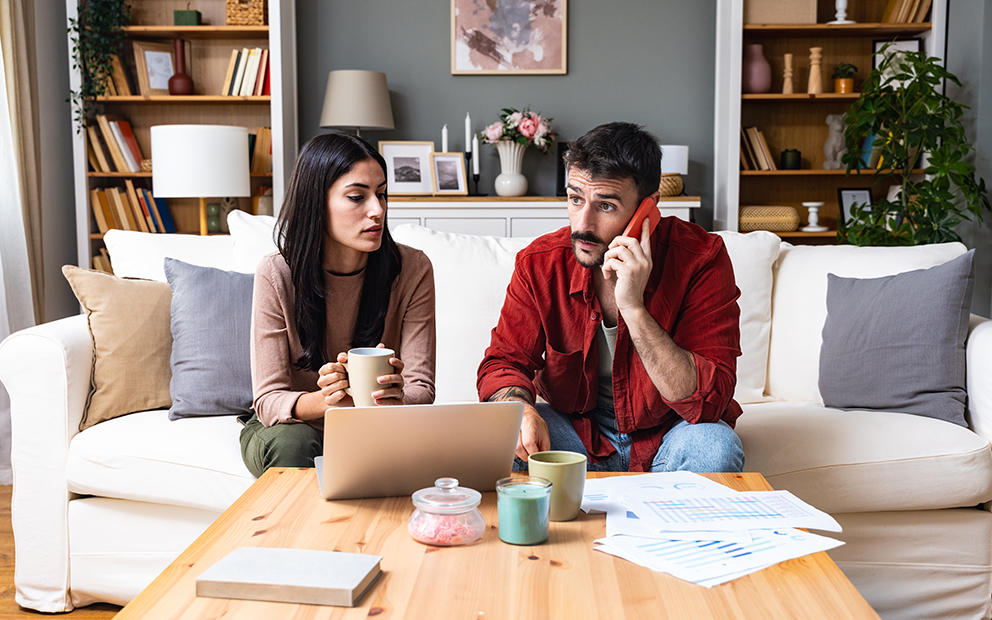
[(130, 327)]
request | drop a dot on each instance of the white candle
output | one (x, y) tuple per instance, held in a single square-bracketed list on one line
[(468, 130), (444, 139), (475, 154)]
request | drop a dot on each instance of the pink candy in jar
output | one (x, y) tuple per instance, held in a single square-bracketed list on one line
[(446, 514)]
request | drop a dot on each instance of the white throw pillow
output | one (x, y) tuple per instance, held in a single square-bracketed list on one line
[(753, 255), (142, 255), (252, 236), (470, 278), (800, 302)]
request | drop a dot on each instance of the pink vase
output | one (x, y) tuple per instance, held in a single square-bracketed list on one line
[(756, 73)]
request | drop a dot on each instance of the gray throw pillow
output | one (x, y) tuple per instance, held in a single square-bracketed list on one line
[(211, 334), (897, 343)]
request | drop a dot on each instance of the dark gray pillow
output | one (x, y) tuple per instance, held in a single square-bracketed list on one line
[(897, 343), (211, 334)]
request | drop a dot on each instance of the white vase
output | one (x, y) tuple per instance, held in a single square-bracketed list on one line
[(510, 181)]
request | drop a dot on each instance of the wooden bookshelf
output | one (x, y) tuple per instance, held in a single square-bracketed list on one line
[(798, 120)]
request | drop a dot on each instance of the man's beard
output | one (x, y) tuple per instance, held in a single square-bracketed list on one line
[(596, 260)]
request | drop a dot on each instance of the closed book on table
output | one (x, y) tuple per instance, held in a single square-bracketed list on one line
[(302, 576)]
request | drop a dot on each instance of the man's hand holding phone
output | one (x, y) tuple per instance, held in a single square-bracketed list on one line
[(630, 259)]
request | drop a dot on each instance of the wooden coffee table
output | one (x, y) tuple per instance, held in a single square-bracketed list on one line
[(487, 580)]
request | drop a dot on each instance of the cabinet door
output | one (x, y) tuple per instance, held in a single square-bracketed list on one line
[(494, 226), (535, 226)]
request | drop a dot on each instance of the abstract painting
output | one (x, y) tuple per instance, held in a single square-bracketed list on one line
[(508, 36)]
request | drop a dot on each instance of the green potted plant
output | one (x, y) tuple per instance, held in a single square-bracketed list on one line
[(96, 34), (900, 114), (844, 77)]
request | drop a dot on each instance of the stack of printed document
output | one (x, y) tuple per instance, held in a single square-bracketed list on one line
[(701, 531)]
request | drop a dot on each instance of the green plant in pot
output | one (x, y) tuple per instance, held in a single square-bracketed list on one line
[(901, 114), (96, 35), (844, 77)]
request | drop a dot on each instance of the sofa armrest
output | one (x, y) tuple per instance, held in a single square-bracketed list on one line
[(46, 371), (979, 361)]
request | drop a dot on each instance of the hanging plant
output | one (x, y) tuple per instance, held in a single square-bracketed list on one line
[(96, 34)]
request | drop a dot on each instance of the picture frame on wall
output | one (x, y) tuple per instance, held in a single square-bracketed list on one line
[(847, 197), (156, 63), (898, 46), (448, 171), (509, 37), (408, 167)]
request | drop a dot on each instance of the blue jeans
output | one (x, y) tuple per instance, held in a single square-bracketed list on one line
[(704, 447)]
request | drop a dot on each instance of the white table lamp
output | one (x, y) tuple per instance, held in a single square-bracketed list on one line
[(674, 164), (357, 99), (200, 161)]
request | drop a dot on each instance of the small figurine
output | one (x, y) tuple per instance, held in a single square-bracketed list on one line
[(787, 84), (834, 148), (815, 86)]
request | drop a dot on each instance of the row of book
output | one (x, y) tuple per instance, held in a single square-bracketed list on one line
[(101, 261), (112, 146), (906, 11), (119, 82), (131, 208), (247, 73), (755, 154)]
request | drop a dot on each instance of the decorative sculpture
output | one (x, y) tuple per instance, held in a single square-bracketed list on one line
[(833, 148), (787, 84), (815, 86)]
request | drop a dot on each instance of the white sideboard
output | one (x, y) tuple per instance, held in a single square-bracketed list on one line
[(525, 216)]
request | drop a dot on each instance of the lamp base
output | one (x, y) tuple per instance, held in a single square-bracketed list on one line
[(203, 216), (671, 184)]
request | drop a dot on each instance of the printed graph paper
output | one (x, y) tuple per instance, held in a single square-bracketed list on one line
[(742, 510)]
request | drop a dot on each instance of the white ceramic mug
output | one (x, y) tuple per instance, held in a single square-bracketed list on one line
[(364, 367)]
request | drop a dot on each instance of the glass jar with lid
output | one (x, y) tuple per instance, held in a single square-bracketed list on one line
[(446, 514)]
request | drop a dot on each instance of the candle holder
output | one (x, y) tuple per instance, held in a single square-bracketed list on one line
[(475, 177)]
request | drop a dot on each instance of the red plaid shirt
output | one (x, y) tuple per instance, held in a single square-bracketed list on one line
[(545, 341)]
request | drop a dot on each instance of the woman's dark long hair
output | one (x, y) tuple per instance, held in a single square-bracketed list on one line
[(300, 238)]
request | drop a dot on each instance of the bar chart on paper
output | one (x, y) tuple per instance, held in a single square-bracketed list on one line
[(743, 510)]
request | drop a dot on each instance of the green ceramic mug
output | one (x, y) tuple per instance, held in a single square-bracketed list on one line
[(567, 473)]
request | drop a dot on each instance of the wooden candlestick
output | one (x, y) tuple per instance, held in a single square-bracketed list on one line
[(787, 84), (815, 86)]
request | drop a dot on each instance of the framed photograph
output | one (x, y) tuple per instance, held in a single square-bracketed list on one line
[(156, 63), (847, 197), (898, 46), (408, 168), (448, 170), (508, 37)]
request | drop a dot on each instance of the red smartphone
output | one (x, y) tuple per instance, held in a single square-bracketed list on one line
[(648, 209)]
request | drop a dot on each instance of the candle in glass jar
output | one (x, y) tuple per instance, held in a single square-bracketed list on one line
[(523, 505)]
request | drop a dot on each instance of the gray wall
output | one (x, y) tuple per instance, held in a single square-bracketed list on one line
[(969, 57), (643, 61)]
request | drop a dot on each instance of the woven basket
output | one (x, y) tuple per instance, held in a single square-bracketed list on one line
[(774, 219), (671, 184), (247, 12)]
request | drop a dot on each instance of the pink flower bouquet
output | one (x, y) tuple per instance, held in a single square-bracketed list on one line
[(523, 127)]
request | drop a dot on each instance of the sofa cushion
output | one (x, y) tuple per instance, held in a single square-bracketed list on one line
[(211, 335), (878, 331), (193, 462), (252, 236), (753, 255), (799, 304), (865, 461), (140, 255), (129, 325), (470, 278)]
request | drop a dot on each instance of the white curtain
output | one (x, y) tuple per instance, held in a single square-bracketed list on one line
[(16, 307)]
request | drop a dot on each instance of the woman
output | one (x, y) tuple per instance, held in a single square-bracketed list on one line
[(338, 281)]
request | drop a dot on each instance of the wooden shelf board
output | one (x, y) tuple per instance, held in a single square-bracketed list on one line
[(841, 30), (812, 173), (190, 99), (148, 175), (800, 97), (198, 32)]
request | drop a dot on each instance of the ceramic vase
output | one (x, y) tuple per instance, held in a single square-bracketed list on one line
[(180, 83), (510, 181), (756, 75)]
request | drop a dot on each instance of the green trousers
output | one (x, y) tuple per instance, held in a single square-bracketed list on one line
[(280, 445)]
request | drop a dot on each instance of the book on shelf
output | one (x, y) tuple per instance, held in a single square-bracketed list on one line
[(132, 165), (239, 72), (109, 212), (116, 154), (100, 265), (101, 218), (251, 150), (98, 150), (890, 7), (231, 66), (921, 14), (767, 152), (124, 214), (261, 161), (121, 79), (251, 72), (748, 152), (140, 210), (129, 140), (263, 68), (161, 211), (755, 149), (106, 261), (141, 225)]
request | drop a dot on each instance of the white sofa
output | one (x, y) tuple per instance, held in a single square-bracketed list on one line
[(97, 514)]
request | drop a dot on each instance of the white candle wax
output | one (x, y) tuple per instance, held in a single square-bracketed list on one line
[(475, 154), (468, 130), (444, 139)]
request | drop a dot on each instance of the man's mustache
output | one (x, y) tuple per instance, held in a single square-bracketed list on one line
[(588, 237)]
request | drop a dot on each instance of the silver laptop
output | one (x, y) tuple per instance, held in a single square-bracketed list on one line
[(396, 450)]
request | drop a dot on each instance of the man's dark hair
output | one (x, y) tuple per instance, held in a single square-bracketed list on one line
[(618, 151)]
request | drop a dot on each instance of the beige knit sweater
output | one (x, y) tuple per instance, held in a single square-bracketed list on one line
[(275, 344)]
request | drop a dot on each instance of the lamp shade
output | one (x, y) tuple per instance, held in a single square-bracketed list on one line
[(357, 99), (674, 159), (199, 161)]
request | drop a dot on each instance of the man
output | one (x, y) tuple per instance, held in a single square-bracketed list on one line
[(632, 343)]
